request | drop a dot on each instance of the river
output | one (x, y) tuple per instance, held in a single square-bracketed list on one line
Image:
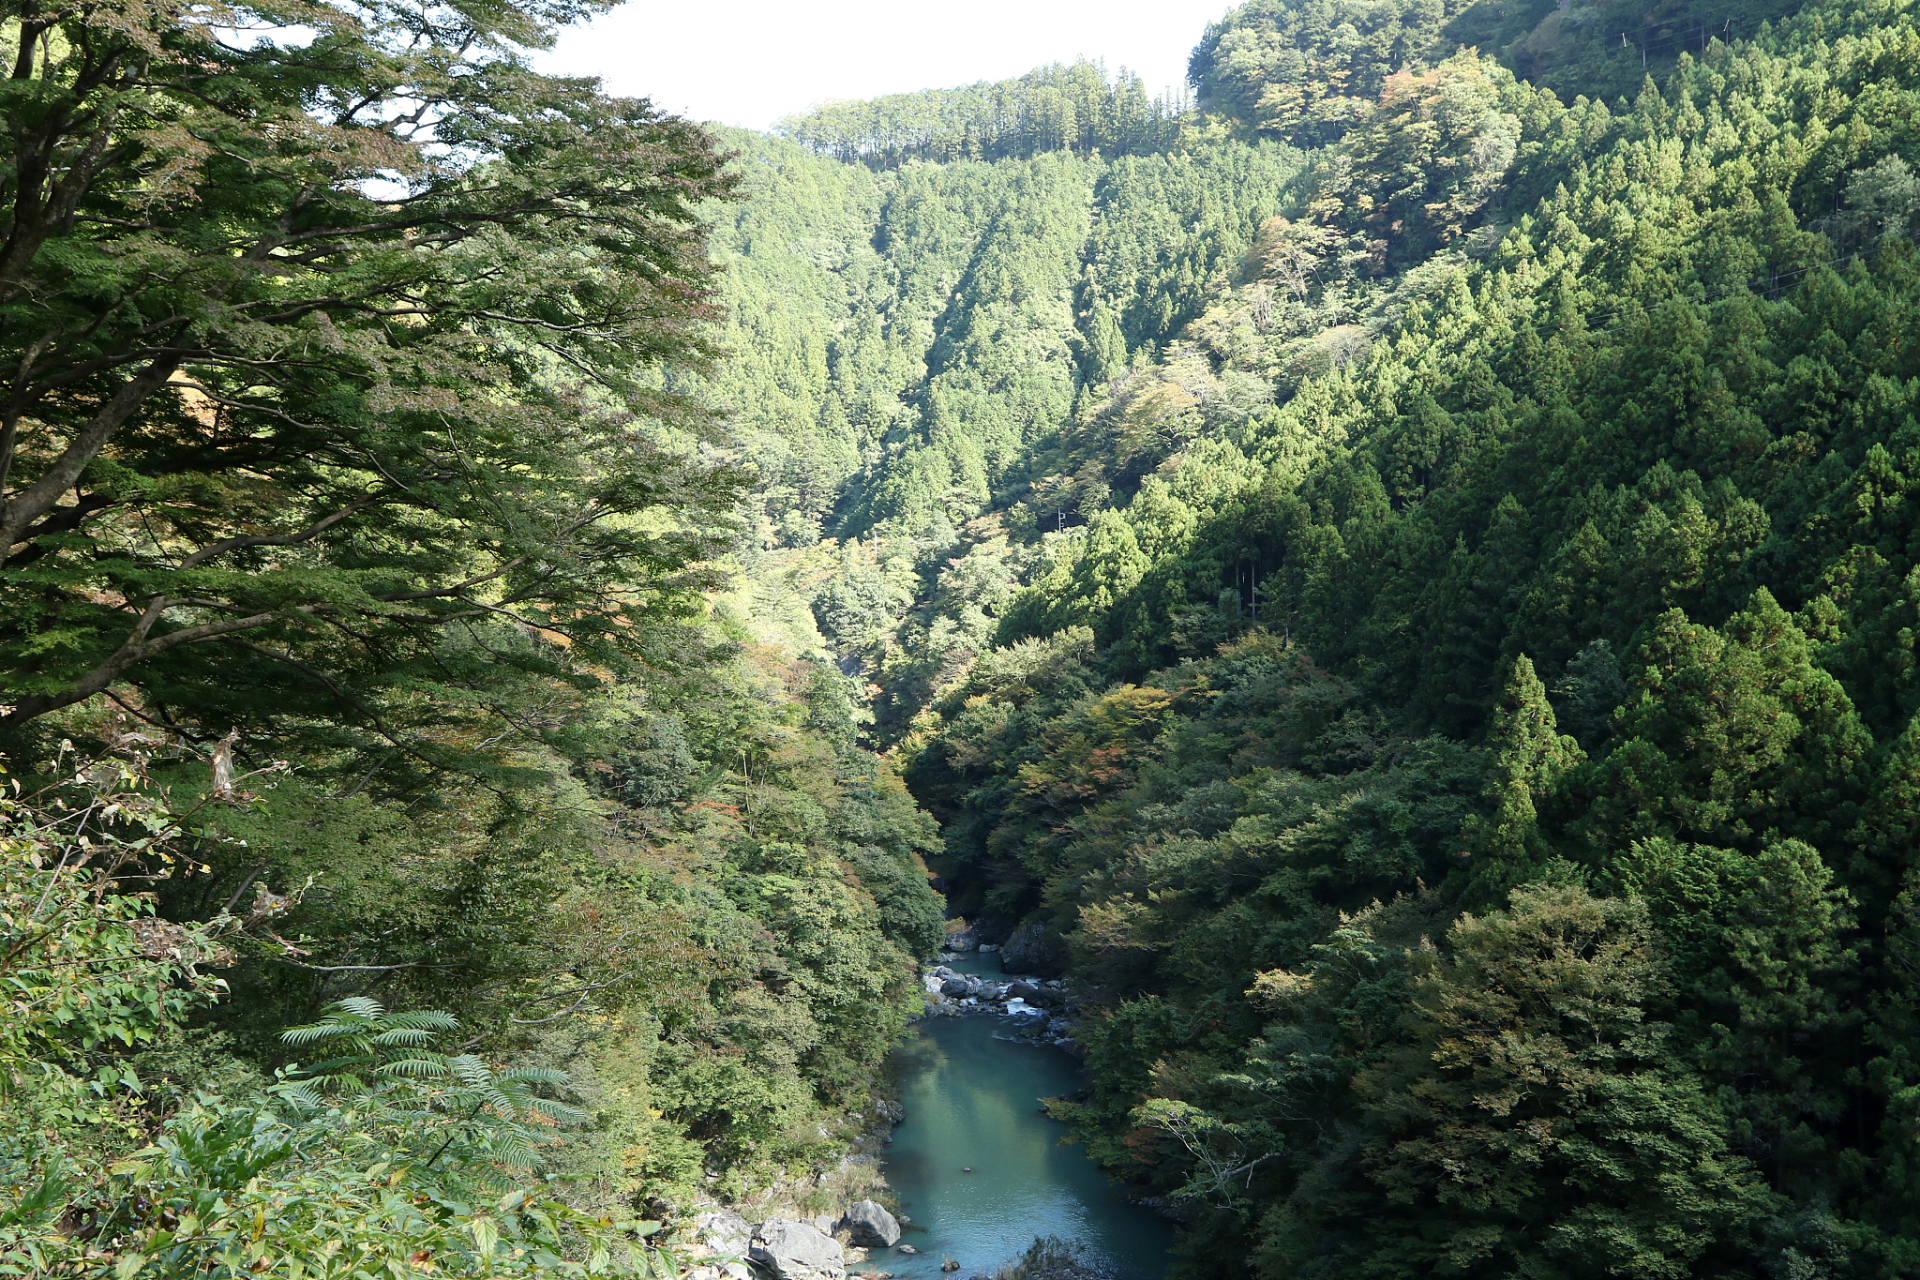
[(973, 1101)]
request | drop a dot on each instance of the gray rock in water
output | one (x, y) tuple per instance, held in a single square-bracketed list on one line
[(795, 1251), (954, 987), (871, 1225)]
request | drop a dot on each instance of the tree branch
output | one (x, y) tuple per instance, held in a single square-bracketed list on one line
[(313, 530), (39, 497)]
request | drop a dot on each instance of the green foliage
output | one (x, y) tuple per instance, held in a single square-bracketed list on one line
[(1448, 677), (90, 973), (388, 1157), (1310, 70), (365, 443), (1050, 1258), (1058, 108), (1407, 574), (1529, 756), (1306, 72), (1532, 1121), (334, 397)]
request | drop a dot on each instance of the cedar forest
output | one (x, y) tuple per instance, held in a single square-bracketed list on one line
[(1396, 572)]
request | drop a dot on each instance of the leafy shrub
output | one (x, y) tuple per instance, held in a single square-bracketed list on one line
[(386, 1157)]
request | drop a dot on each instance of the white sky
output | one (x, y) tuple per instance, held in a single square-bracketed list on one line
[(750, 62)]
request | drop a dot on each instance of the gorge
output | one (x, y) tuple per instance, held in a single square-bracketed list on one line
[(1387, 585)]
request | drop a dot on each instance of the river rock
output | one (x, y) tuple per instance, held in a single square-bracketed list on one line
[(796, 1251), (724, 1232), (954, 987), (1035, 949), (872, 1225)]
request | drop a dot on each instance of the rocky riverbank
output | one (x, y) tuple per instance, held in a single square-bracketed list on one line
[(1033, 1008), (724, 1243), (774, 1238)]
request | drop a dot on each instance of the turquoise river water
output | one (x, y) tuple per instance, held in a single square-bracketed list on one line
[(973, 1101)]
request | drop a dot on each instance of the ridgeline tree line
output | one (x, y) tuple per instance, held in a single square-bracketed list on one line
[(1402, 575)]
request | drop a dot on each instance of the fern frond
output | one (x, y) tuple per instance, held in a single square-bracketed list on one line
[(316, 1031), (531, 1075), (424, 1020), (511, 1150), (557, 1112), (302, 1095), (471, 1070)]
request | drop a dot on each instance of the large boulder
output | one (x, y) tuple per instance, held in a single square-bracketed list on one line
[(956, 987), (797, 1251), (1034, 994), (1035, 949), (871, 1225)]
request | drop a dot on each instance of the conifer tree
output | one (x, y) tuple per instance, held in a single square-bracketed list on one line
[(1529, 755), (331, 365)]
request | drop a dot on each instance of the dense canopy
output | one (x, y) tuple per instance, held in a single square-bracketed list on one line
[(1397, 578)]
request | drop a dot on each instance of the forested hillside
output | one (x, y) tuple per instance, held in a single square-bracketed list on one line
[(1409, 592), (1397, 576), (410, 859)]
